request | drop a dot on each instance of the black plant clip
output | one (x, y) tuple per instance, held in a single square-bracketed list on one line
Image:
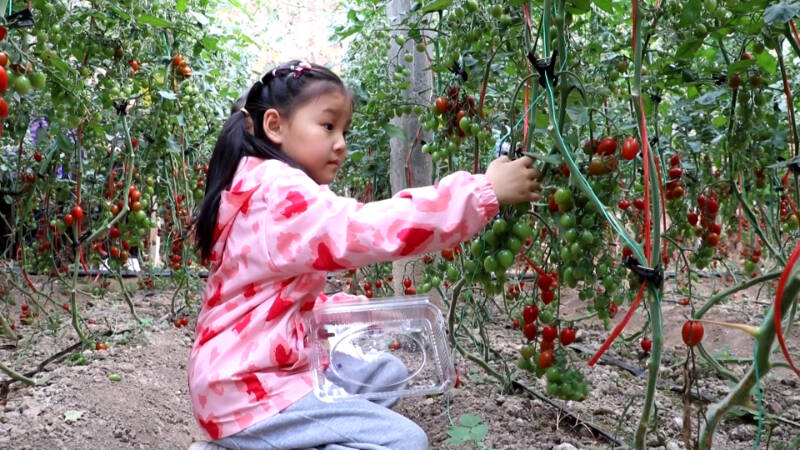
[(20, 19), (794, 167), (654, 275), (456, 69), (544, 66)]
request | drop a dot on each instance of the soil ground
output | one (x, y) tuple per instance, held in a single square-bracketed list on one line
[(78, 407)]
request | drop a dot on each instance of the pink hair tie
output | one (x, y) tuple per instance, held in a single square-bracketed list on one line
[(300, 68)]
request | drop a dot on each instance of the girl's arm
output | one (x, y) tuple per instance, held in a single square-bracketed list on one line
[(310, 228)]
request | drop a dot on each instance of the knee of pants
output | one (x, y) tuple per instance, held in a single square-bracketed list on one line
[(408, 436)]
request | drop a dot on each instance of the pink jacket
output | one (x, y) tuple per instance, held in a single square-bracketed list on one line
[(278, 234)]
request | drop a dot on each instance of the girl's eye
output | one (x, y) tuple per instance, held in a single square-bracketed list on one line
[(328, 126)]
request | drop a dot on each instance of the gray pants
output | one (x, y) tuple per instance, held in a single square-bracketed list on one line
[(351, 424)]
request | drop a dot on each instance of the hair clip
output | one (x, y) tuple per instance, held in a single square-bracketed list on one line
[(300, 68), (245, 112)]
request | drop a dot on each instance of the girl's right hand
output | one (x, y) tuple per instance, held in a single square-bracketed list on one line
[(514, 181)]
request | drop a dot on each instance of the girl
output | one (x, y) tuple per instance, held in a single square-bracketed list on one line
[(271, 229)]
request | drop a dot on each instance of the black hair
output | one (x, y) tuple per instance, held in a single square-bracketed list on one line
[(283, 88)]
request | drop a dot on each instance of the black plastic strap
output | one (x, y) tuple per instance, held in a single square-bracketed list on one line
[(456, 69), (654, 275), (544, 66), (20, 19)]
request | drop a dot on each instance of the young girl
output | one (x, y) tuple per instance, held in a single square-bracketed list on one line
[(271, 230)]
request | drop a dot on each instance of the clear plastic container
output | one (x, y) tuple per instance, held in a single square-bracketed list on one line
[(410, 329)]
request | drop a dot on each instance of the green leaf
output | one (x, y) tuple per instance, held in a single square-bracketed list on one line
[(691, 13), (782, 12), (180, 5), (479, 432), (578, 6), (688, 49), (458, 436), (605, 5), (72, 416), (349, 31), (741, 66), (201, 19), (469, 420), (436, 5), (394, 131), (710, 97), (147, 19), (767, 62), (719, 121), (211, 44), (168, 95), (579, 114)]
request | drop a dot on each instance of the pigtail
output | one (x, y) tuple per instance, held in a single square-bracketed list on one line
[(228, 151)]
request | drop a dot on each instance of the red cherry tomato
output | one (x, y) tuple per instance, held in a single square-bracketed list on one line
[(568, 336), (630, 148), (3, 79), (646, 344), (3, 108), (608, 146), (692, 333), (77, 212), (549, 333), (530, 313), (546, 359), (530, 330)]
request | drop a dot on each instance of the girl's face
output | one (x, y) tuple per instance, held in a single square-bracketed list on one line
[(314, 135)]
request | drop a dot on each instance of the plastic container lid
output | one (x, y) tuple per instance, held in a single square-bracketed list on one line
[(410, 329)]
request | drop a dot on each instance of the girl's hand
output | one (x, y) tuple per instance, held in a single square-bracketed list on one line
[(514, 181)]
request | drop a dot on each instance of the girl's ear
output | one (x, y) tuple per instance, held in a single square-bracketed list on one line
[(274, 126)]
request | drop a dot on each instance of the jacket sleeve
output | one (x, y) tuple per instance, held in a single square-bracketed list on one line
[(309, 228)]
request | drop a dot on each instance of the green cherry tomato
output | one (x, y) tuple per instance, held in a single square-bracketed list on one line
[(500, 226), (522, 230), (505, 258), (22, 85)]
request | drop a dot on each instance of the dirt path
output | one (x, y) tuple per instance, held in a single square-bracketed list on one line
[(79, 407)]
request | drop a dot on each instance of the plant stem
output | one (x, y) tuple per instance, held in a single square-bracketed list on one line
[(741, 392)]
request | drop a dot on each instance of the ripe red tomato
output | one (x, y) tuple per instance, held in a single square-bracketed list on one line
[(639, 204), (114, 233), (515, 324), (546, 359), (590, 146), (548, 296), (3, 33), (410, 291), (646, 344), (549, 333), (3, 79), (440, 105), (3, 108), (378, 284), (38, 157), (568, 336), (77, 212), (68, 220), (114, 252), (712, 239), (675, 160), (735, 81), (692, 216), (675, 172), (530, 330), (177, 60), (692, 333), (407, 283), (714, 227), (624, 204), (608, 146), (630, 148), (184, 321), (530, 313), (3, 59)]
